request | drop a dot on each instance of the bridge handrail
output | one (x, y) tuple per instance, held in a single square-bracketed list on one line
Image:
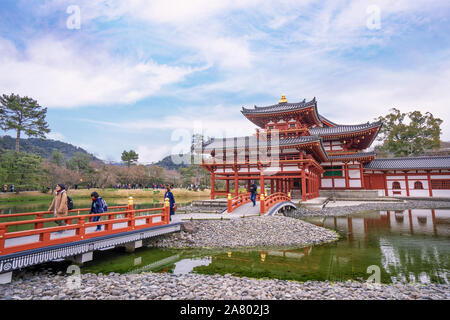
[(276, 197), (237, 201), (24, 214), (131, 216)]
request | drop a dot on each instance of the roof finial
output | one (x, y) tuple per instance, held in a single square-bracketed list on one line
[(283, 99)]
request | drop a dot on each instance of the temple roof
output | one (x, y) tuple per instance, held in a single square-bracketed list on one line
[(218, 143), (340, 129), (409, 163), (280, 107), (302, 140), (357, 155)]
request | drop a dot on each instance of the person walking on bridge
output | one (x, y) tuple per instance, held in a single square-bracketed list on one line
[(169, 195), (253, 189), (59, 204), (98, 206)]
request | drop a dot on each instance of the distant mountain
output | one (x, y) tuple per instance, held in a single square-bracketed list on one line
[(42, 147), (168, 164)]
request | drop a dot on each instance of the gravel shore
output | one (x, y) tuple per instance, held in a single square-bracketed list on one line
[(248, 232), (345, 210), (163, 286)]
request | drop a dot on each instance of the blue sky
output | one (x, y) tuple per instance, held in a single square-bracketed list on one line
[(145, 75)]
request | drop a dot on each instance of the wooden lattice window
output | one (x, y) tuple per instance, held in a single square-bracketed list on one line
[(440, 184), (396, 185), (418, 185)]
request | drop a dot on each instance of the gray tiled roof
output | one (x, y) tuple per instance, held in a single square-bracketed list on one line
[(323, 131), (218, 143), (351, 156), (284, 106), (322, 118), (410, 163)]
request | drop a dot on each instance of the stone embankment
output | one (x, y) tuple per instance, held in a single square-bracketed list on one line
[(246, 232), (164, 286)]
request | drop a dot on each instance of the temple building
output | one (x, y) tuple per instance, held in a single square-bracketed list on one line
[(296, 150)]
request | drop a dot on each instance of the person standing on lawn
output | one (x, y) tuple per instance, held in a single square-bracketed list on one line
[(169, 195)]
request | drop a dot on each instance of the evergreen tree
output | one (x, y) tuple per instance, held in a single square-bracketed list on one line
[(22, 115), (57, 157), (130, 157), (409, 134)]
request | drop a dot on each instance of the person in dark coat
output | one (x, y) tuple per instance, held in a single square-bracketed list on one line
[(253, 189), (169, 195), (96, 207)]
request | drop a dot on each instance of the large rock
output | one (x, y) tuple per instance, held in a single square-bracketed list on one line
[(189, 227)]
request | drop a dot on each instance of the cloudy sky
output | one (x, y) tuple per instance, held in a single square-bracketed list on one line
[(145, 75)]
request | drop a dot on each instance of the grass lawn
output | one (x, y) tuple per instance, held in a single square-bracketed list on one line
[(106, 194)]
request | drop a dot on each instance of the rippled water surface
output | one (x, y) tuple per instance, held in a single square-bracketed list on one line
[(406, 246)]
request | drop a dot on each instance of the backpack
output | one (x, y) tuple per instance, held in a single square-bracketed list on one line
[(104, 205), (69, 203)]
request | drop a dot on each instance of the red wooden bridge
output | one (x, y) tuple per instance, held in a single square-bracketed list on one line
[(32, 238), (268, 205)]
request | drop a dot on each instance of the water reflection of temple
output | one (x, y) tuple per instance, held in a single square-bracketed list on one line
[(415, 221)]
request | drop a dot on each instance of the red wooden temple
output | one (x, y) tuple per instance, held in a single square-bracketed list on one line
[(295, 149)]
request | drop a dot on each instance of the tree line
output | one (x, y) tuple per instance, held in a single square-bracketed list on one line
[(402, 134)]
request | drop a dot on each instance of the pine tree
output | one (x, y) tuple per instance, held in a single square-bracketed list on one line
[(22, 115)]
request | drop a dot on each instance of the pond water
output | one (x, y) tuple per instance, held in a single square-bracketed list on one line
[(406, 246)]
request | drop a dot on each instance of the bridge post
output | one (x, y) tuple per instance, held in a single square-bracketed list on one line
[(39, 225), (130, 203), (262, 204), (81, 229), (167, 210), (132, 246), (6, 278), (229, 209), (82, 258), (213, 182), (2, 238)]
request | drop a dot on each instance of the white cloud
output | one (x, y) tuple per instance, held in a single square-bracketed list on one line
[(148, 154), (64, 74), (56, 136)]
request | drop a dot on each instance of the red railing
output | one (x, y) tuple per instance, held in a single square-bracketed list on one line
[(129, 220), (274, 198), (238, 201)]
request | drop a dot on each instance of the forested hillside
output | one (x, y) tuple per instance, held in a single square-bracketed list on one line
[(42, 147)]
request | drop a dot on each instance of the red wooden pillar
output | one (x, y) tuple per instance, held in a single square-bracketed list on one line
[(248, 185), (213, 181), (236, 183), (410, 221), (407, 183), (429, 184), (303, 183), (271, 186), (261, 183), (347, 183), (227, 185), (385, 185)]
